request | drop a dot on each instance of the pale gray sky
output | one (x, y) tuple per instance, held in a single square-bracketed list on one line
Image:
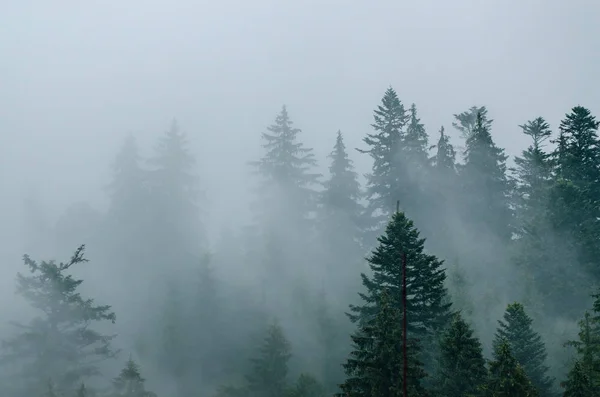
[(76, 76)]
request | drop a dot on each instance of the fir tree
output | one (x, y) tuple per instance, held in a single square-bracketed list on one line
[(340, 220), (486, 187), (60, 343), (415, 143), (578, 383), (385, 182), (286, 169), (506, 377), (587, 347), (375, 366), (462, 366), (176, 197), (307, 386), (526, 346), (130, 383), (444, 161), (575, 196), (466, 122), (268, 377), (427, 307)]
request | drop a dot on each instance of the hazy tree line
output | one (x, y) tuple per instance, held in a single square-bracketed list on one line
[(305, 300)]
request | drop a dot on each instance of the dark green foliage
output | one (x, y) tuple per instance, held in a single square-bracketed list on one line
[(60, 343), (526, 346), (427, 307), (130, 383), (375, 365), (307, 386), (587, 347), (462, 366), (506, 377), (268, 376), (384, 184), (486, 187), (575, 196), (578, 383)]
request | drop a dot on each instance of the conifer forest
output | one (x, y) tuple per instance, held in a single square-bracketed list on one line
[(424, 261)]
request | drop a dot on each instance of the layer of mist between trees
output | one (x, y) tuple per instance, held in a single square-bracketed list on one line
[(305, 300)]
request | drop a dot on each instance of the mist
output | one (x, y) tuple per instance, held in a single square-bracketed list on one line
[(78, 80)]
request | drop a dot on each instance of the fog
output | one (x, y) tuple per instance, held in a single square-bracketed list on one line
[(76, 78)]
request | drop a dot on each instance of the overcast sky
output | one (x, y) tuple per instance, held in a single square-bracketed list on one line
[(76, 76)]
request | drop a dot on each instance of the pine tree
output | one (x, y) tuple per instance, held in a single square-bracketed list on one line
[(466, 122), (176, 197), (268, 377), (60, 343), (286, 169), (587, 347), (486, 187), (415, 143), (375, 366), (506, 377), (427, 307), (385, 182), (526, 346), (307, 386), (444, 161), (575, 196), (130, 383), (340, 218), (578, 383), (462, 366)]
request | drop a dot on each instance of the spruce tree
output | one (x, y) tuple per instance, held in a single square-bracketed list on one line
[(340, 217), (130, 383), (575, 196), (587, 347), (268, 376), (176, 199), (526, 346), (486, 187), (506, 377), (307, 386), (427, 307), (287, 170), (385, 182), (462, 366), (466, 122), (375, 366), (60, 343), (444, 160), (578, 383), (415, 144)]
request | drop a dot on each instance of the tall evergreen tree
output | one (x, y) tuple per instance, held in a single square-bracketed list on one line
[(385, 182), (486, 187), (176, 198), (427, 308), (526, 346), (466, 122), (575, 198), (287, 170), (375, 366), (130, 383), (462, 366), (587, 347), (415, 144), (444, 160), (268, 377), (507, 378), (340, 220), (60, 342), (578, 383)]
